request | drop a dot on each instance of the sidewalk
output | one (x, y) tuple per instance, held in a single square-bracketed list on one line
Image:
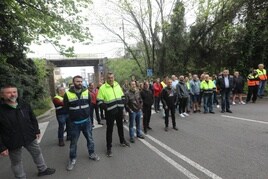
[(47, 114)]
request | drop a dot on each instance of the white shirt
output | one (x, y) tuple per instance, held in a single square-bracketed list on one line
[(226, 81)]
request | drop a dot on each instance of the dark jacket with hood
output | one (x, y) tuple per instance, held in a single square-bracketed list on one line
[(18, 126), (182, 90), (147, 97), (168, 97)]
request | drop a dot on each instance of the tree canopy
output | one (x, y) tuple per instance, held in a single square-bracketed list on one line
[(23, 22)]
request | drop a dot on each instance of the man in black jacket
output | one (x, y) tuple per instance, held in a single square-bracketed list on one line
[(148, 100), (168, 98), (225, 84), (18, 129)]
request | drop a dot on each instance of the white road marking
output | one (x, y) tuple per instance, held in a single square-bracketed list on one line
[(42, 127), (244, 119), (189, 161), (168, 159)]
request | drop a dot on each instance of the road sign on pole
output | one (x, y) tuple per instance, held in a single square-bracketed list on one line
[(149, 72)]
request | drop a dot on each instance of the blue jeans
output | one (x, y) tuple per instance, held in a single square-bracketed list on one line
[(208, 100), (62, 120), (137, 117), (86, 129), (261, 87)]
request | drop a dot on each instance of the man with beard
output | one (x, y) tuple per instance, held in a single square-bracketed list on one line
[(18, 129), (77, 101), (111, 99)]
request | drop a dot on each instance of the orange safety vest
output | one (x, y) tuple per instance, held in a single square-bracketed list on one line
[(262, 74), (253, 80)]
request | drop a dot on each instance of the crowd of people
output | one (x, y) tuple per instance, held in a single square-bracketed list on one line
[(75, 110)]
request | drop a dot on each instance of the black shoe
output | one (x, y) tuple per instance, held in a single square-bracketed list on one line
[(149, 128), (175, 128), (100, 123), (109, 153), (229, 111), (166, 129), (132, 140), (61, 143), (141, 136), (48, 171), (125, 144), (205, 112), (222, 111), (212, 112)]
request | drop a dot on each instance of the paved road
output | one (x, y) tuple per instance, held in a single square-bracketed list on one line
[(231, 146)]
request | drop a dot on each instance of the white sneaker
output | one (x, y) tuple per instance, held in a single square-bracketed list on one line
[(218, 106), (242, 102), (182, 115), (185, 114), (233, 102)]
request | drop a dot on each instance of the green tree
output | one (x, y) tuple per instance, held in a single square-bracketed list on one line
[(23, 22), (124, 69)]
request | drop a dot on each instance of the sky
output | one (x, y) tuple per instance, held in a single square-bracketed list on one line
[(73, 71), (104, 44)]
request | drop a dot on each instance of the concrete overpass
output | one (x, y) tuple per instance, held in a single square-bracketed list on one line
[(97, 63)]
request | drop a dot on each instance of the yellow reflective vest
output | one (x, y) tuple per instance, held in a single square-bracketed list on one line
[(207, 87), (262, 74)]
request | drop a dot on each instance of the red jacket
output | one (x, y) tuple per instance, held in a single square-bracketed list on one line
[(93, 95), (157, 89)]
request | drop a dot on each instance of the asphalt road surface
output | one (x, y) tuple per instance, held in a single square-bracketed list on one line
[(221, 145)]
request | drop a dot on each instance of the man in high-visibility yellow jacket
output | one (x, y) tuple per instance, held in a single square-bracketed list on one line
[(61, 115), (111, 99), (207, 86), (263, 78), (253, 81)]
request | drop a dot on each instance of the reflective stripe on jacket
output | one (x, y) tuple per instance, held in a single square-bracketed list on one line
[(262, 74), (78, 106), (207, 87), (253, 80), (111, 96)]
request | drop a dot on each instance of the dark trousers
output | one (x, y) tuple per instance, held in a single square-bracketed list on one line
[(215, 99), (157, 103), (147, 110), (252, 91), (102, 113), (172, 110), (225, 99), (111, 116), (182, 104), (94, 107)]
